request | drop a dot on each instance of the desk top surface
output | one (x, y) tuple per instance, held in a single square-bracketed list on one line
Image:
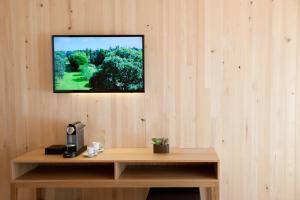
[(125, 155)]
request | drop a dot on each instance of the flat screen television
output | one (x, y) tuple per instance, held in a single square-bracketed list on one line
[(98, 63)]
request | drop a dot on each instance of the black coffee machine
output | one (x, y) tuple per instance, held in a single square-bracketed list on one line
[(75, 140)]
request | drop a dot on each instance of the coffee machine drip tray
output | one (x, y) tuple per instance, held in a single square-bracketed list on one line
[(71, 153)]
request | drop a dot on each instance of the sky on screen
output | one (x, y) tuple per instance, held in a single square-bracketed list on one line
[(82, 43)]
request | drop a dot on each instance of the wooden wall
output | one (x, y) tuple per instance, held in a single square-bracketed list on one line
[(221, 73)]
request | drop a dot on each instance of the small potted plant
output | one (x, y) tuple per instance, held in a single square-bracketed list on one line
[(160, 145)]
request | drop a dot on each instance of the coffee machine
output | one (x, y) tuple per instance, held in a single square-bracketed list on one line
[(75, 140)]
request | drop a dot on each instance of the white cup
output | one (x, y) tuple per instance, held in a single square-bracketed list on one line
[(97, 146), (90, 151)]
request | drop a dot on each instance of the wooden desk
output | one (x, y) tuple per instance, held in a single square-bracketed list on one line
[(121, 168)]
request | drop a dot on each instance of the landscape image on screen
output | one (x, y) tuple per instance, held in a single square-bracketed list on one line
[(98, 63)]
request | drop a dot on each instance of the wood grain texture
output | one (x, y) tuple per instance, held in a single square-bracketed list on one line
[(218, 73), (125, 155)]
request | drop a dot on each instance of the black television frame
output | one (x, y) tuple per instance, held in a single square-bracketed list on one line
[(91, 91)]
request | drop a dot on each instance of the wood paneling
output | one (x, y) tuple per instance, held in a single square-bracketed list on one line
[(218, 73)]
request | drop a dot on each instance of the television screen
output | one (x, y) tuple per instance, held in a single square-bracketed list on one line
[(98, 63)]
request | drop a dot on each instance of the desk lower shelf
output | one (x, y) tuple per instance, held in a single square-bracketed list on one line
[(171, 172), (69, 173), (131, 175)]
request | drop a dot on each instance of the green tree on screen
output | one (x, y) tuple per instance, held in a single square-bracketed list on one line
[(88, 70), (60, 64), (121, 70), (97, 57), (76, 59)]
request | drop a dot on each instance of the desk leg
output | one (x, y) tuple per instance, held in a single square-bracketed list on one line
[(213, 193), (13, 192), (38, 193), (209, 193), (217, 192)]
